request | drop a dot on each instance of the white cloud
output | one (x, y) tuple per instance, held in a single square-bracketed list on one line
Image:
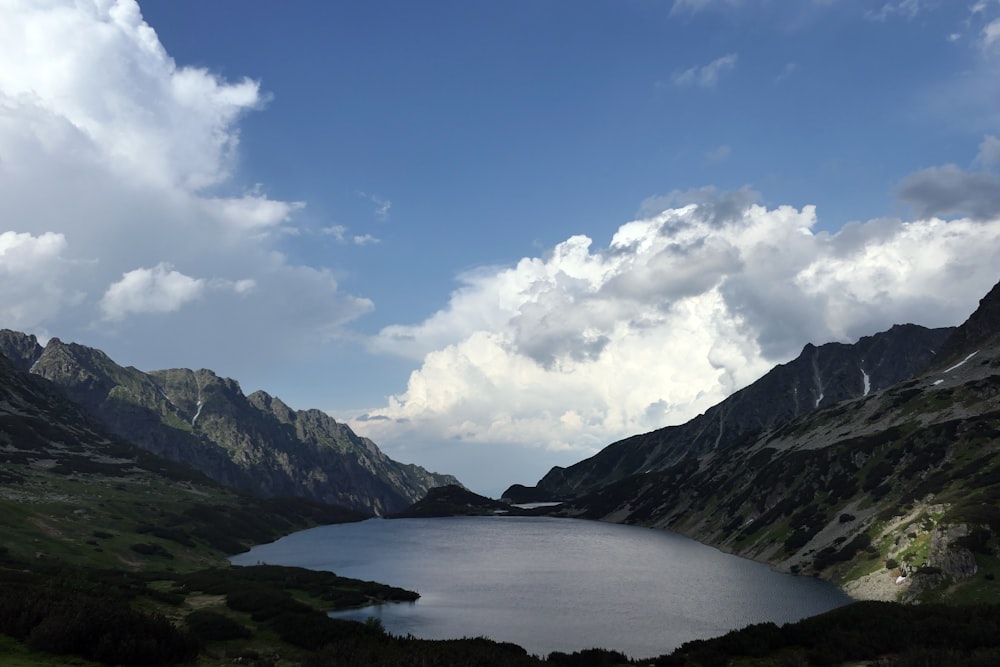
[(168, 125), (156, 290), (32, 269), (706, 76), (382, 206), (991, 32), (365, 239), (788, 70), (905, 8), (113, 157), (694, 6), (719, 153), (681, 308), (989, 152), (252, 211), (338, 232)]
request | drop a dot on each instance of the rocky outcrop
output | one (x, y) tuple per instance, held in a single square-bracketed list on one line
[(20, 349), (946, 552)]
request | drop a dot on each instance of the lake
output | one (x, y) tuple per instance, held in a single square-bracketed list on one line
[(552, 584)]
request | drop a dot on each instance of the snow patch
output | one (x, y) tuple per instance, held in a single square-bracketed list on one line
[(962, 361), (818, 400), (868, 382), (718, 438), (937, 382)]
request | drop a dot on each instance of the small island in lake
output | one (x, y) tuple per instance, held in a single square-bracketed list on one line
[(455, 500)]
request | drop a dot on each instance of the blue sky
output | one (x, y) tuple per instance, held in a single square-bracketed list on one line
[(494, 236)]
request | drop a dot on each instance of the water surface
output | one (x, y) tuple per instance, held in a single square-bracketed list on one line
[(552, 584)]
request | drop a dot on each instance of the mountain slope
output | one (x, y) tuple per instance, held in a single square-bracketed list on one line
[(253, 443), (818, 377), (893, 494), (70, 490)]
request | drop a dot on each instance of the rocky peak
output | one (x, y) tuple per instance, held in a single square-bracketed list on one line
[(272, 405), (21, 349), (982, 329), (76, 366)]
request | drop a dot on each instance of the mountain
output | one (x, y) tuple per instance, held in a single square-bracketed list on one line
[(254, 443), (112, 555), (893, 493), (818, 377), (71, 490)]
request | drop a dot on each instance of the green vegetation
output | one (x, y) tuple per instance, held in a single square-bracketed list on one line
[(891, 635), (455, 500)]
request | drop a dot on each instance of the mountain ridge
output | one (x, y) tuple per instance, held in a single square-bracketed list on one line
[(254, 443), (894, 494), (819, 376)]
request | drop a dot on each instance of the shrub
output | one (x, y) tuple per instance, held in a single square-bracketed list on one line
[(151, 550), (212, 626)]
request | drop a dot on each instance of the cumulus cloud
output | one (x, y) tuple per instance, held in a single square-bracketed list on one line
[(989, 153), (252, 211), (116, 165), (63, 49), (950, 190), (706, 76), (32, 271), (156, 290), (682, 307), (991, 32)]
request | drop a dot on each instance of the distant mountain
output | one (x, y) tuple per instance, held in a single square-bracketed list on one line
[(252, 443), (894, 493), (818, 377)]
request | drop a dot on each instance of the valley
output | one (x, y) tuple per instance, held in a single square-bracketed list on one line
[(884, 480)]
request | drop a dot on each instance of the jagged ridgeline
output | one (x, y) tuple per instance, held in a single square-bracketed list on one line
[(818, 377), (252, 443), (876, 465)]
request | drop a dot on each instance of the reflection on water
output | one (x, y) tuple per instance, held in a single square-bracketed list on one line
[(552, 584)]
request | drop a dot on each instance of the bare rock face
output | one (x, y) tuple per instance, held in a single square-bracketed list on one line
[(956, 562), (20, 349)]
